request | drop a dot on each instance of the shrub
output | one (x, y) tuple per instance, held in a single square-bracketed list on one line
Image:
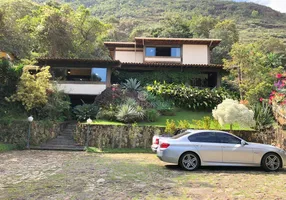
[(183, 124), (151, 115), (132, 85), (204, 123), (263, 115), (57, 107), (231, 111), (107, 113), (164, 107), (170, 126), (189, 97), (128, 113), (85, 111)]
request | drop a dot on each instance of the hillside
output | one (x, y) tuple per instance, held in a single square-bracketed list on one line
[(143, 13)]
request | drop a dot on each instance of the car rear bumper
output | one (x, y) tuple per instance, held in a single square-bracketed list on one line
[(166, 156), (154, 147)]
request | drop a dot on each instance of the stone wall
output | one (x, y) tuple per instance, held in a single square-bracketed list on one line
[(16, 132), (110, 136)]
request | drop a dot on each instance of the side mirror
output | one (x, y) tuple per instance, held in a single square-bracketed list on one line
[(243, 143)]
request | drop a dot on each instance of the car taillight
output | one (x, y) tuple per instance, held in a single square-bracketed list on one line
[(157, 141), (164, 145)]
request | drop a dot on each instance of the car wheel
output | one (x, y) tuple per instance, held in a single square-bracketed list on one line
[(271, 162), (189, 161)]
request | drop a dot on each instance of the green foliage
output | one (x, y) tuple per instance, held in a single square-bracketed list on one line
[(189, 97), (204, 123), (7, 147), (185, 77), (165, 107), (85, 111), (170, 126), (200, 26), (183, 124), (254, 71), (132, 85), (32, 89), (263, 115), (128, 114), (107, 113), (151, 115), (57, 106)]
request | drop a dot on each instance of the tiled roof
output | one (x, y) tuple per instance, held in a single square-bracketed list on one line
[(43, 59)]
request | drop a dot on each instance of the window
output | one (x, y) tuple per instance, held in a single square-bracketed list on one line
[(150, 51), (181, 134), (209, 137), (163, 51), (98, 74), (226, 138)]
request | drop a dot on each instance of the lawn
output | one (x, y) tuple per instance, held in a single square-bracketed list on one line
[(180, 115), (80, 175), (6, 147)]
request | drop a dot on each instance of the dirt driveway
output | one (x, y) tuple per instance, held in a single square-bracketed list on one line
[(80, 175)]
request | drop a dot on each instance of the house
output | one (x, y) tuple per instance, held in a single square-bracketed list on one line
[(86, 78), (6, 55), (187, 55)]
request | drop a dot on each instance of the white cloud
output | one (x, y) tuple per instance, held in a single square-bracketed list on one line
[(279, 5)]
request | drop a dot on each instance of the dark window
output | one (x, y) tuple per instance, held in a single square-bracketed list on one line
[(226, 138), (181, 134), (209, 137), (163, 51)]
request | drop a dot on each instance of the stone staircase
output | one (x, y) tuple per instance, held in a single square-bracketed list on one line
[(64, 141)]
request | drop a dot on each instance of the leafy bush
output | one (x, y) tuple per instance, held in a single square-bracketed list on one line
[(129, 113), (183, 124), (132, 85), (170, 126), (107, 113), (263, 115), (151, 115), (85, 111), (204, 123), (57, 106), (164, 107), (189, 97)]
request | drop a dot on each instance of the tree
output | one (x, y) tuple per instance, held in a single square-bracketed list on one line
[(227, 31), (32, 89), (231, 112), (252, 71), (174, 26), (200, 26)]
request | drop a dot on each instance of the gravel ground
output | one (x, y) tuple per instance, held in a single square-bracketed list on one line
[(81, 175)]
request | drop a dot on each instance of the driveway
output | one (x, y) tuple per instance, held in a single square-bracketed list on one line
[(81, 175)]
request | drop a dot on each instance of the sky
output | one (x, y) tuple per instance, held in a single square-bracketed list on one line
[(279, 5)]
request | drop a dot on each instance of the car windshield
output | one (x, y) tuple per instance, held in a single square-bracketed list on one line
[(181, 134)]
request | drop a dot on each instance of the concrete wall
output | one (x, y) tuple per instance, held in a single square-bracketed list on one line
[(129, 55), (195, 54), (81, 88), (162, 59)]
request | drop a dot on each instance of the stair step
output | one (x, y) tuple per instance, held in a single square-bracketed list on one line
[(60, 148)]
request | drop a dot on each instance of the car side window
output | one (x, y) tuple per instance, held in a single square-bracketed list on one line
[(209, 137), (226, 138)]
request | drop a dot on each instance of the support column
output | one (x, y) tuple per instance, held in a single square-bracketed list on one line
[(108, 77)]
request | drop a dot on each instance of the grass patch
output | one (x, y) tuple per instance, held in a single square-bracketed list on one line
[(118, 150), (7, 147), (180, 115)]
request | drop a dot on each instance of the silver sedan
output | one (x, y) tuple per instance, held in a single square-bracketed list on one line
[(194, 148)]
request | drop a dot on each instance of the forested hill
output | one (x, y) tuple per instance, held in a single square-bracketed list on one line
[(133, 16)]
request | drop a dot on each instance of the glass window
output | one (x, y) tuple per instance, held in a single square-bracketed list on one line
[(176, 52), (150, 51), (226, 138), (98, 74), (209, 137), (181, 134)]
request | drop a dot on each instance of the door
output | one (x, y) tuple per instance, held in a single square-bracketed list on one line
[(208, 148), (232, 150)]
